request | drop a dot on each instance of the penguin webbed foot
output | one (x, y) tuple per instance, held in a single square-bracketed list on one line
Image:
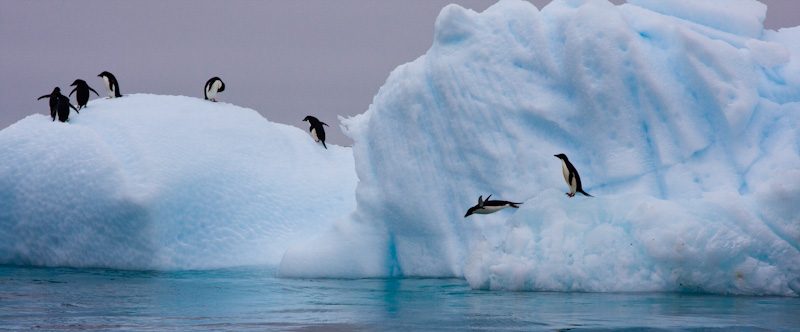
[(570, 194)]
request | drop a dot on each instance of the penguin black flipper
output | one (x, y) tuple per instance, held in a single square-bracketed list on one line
[(95, 92), (45, 96), (73, 91)]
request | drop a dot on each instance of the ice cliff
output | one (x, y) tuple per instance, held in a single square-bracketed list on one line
[(682, 118)]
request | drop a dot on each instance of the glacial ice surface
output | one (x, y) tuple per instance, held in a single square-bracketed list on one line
[(682, 117)]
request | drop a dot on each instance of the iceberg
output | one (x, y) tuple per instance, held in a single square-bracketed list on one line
[(166, 183), (682, 117)]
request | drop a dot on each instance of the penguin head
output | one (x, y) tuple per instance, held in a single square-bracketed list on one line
[(476, 207), (57, 90), (78, 82), (105, 74), (560, 156), (470, 211), (310, 119)]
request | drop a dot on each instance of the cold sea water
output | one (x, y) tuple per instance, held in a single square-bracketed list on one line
[(252, 298)]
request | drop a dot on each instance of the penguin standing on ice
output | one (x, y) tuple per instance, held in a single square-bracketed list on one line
[(63, 107), (213, 86), (571, 176), (83, 92), (112, 86), (487, 206), (53, 101), (316, 129)]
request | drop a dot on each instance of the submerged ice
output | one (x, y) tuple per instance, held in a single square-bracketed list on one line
[(164, 182), (682, 120)]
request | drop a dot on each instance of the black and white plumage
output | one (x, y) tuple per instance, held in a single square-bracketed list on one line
[(571, 176), (213, 86), (316, 129), (53, 96), (59, 105), (487, 206), (82, 89), (111, 84), (63, 107)]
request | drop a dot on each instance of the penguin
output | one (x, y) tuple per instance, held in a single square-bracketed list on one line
[(53, 101), (63, 108), (213, 86), (487, 206), (316, 129), (83, 92), (112, 86), (571, 176)]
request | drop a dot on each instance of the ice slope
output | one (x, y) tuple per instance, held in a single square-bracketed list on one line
[(164, 182), (682, 118)]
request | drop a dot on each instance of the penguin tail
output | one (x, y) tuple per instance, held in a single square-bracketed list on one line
[(323, 145), (514, 205), (585, 194)]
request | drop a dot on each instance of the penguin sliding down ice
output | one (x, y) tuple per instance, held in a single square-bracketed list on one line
[(213, 86), (316, 129), (53, 101), (571, 176), (112, 86), (83, 92), (487, 206)]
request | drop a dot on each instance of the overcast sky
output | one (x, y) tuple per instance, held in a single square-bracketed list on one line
[(284, 59)]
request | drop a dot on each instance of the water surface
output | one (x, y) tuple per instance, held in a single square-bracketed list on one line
[(251, 298)]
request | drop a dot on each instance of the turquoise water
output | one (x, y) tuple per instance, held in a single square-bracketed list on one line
[(251, 298)]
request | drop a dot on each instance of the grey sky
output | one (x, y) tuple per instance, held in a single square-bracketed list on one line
[(284, 59)]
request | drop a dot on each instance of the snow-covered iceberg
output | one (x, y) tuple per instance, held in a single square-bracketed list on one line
[(683, 118), (164, 182)]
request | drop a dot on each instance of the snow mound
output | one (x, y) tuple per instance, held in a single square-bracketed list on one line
[(164, 182)]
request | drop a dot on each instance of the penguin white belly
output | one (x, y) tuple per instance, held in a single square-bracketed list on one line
[(314, 134), (573, 185), (490, 209), (109, 88), (213, 88)]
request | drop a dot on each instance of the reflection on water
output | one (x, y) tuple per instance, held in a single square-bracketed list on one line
[(252, 298)]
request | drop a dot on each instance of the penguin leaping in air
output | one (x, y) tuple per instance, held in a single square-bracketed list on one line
[(213, 86), (571, 176), (316, 129), (112, 86), (487, 206), (83, 92)]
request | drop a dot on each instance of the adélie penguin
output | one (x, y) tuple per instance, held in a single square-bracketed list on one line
[(63, 108), (82, 90), (316, 129), (571, 176), (488, 206), (111, 84), (213, 86), (53, 101)]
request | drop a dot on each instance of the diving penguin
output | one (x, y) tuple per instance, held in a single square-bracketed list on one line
[(83, 92), (571, 176), (487, 206), (112, 86), (53, 101), (316, 129), (213, 86)]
